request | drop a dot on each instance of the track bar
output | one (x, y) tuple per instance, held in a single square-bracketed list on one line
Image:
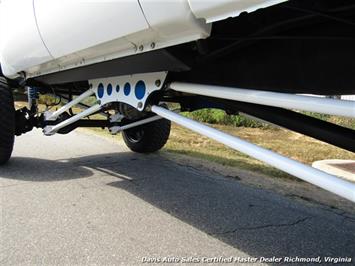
[(307, 173), (276, 99), (116, 129)]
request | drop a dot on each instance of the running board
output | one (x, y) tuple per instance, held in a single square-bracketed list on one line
[(275, 99), (307, 173)]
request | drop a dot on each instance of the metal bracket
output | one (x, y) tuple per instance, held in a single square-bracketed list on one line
[(131, 89), (116, 117)]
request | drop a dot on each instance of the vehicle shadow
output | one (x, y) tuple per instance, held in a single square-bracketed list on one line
[(41, 170), (255, 221)]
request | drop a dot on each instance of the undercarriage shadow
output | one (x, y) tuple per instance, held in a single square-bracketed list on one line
[(41, 170)]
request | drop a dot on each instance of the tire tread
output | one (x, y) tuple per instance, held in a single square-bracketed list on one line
[(7, 121), (156, 134)]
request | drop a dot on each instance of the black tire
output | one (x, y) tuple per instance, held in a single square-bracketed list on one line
[(7, 121), (148, 137)]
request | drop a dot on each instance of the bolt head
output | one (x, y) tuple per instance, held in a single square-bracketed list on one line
[(158, 82), (152, 45), (141, 47)]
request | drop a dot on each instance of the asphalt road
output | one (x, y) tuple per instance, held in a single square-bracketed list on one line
[(81, 199)]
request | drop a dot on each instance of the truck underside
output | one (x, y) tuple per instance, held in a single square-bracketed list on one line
[(256, 63), (295, 47)]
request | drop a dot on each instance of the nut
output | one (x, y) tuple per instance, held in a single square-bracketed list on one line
[(158, 83)]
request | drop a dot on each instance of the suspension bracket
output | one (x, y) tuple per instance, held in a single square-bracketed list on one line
[(131, 89)]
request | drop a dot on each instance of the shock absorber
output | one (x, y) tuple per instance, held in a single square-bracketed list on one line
[(33, 96), (26, 119)]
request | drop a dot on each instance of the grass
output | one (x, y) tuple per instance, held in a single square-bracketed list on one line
[(293, 145), (290, 144), (287, 143), (341, 121), (219, 117)]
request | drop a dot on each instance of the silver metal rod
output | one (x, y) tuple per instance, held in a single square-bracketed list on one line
[(70, 104), (276, 99), (307, 173), (117, 129), (50, 130), (83, 106)]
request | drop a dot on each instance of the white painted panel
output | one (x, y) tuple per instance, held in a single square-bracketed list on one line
[(213, 10), (68, 26), (170, 23), (21, 46), (173, 18)]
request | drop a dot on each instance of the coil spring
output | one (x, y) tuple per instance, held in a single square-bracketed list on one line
[(32, 93)]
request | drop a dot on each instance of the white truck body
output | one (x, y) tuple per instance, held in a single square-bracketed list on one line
[(41, 36)]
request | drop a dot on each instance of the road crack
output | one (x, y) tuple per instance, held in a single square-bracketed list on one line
[(264, 226), (332, 209)]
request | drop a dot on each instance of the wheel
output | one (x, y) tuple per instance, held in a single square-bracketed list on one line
[(149, 137), (7, 121)]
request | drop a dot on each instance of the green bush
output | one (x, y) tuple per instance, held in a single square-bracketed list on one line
[(216, 116), (324, 117)]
